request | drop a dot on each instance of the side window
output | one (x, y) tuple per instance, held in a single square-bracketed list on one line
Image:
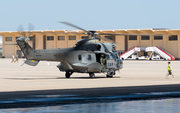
[(89, 57), (79, 57), (107, 57)]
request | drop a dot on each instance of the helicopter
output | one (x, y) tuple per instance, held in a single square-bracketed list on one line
[(84, 57)]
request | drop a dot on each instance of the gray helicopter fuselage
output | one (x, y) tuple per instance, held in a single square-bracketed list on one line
[(84, 57), (71, 59)]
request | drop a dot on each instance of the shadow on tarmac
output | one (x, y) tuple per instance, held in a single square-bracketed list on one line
[(59, 78), (87, 95)]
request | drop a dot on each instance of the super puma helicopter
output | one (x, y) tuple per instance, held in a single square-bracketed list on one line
[(84, 57)]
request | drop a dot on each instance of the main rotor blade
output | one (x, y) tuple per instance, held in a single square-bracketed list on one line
[(69, 24), (106, 39), (57, 32), (132, 34)]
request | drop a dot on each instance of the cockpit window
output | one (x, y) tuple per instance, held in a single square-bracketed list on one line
[(89, 57), (117, 56), (79, 57), (107, 57)]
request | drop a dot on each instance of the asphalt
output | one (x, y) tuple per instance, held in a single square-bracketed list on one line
[(25, 82)]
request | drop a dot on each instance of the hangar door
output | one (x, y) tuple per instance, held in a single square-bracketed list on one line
[(8, 51)]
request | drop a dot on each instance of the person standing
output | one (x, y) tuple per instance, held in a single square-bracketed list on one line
[(103, 62), (169, 70), (13, 57), (16, 59)]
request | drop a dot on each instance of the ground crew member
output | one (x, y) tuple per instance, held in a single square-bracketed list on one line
[(103, 62), (169, 70), (16, 59), (13, 58)]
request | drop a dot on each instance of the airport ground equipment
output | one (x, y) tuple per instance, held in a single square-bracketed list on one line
[(160, 53), (156, 53), (130, 52)]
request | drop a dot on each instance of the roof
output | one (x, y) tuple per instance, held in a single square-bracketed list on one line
[(120, 31)]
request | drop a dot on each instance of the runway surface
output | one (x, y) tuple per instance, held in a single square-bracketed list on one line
[(23, 82)]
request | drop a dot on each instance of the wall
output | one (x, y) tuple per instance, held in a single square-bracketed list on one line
[(120, 42), (173, 48), (39, 41)]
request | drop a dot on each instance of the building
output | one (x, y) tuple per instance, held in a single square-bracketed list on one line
[(50, 39)]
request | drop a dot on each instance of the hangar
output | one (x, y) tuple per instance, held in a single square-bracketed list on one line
[(50, 39)]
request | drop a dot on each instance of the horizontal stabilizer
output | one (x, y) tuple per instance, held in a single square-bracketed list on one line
[(31, 62)]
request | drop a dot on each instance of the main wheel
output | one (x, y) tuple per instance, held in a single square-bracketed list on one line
[(109, 76), (68, 74), (91, 75)]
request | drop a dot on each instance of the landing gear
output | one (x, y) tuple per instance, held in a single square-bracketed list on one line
[(91, 75), (110, 73), (68, 74)]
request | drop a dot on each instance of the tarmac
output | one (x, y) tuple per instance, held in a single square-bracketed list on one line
[(141, 76)]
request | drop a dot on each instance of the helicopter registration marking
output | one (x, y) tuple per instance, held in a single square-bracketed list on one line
[(95, 41)]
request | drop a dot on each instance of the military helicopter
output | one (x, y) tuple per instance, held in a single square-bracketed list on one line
[(84, 57)]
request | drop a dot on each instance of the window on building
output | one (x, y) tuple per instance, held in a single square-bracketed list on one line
[(173, 37), (132, 37), (61, 37), (110, 37), (84, 37), (89, 57), (50, 37), (79, 57), (73, 37), (158, 37), (144, 37), (8, 38)]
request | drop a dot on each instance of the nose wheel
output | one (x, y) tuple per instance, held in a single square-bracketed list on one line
[(110, 73), (91, 75), (68, 74)]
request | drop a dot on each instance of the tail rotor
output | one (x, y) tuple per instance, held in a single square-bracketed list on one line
[(26, 34)]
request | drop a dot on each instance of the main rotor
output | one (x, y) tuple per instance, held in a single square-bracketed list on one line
[(91, 33)]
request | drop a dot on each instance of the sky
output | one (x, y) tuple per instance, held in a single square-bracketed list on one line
[(90, 14)]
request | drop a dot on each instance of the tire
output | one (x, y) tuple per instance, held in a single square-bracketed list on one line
[(110, 73), (68, 74), (91, 75), (109, 76)]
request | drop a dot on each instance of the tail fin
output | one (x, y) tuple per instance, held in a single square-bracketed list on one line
[(25, 48)]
